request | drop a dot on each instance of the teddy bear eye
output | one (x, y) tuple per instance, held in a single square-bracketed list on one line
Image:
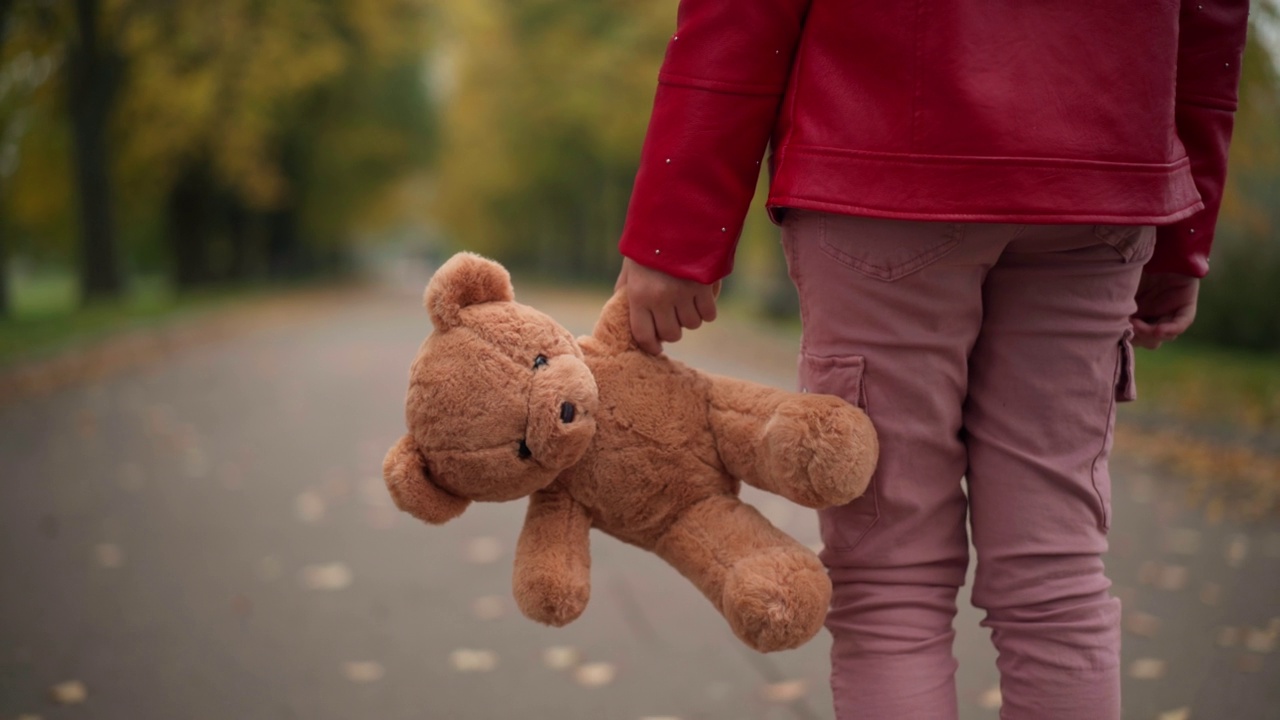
[(524, 451), (540, 361)]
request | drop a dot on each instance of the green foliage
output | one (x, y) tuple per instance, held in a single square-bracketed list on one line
[(543, 126), (244, 135), (1212, 385)]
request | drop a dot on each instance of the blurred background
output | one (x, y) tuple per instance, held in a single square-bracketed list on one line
[(149, 150), (215, 219)]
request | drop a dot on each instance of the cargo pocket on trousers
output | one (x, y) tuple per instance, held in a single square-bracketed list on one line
[(1124, 390), (844, 376), (886, 249)]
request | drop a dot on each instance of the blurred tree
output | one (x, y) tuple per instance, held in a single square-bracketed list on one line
[(93, 68), (543, 129), (240, 88), (217, 115), (5, 7)]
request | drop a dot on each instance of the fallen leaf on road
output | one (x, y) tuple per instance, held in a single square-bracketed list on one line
[(1211, 593), (1147, 669), (269, 568), (484, 550), (560, 657), (241, 606), (718, 692), (1182, 713), (330, 576), (373, 491), (1172, 577), (71, 692), (131, 478), (365, 671), (309, 507), (1227, 636), (1142, 489), (990, 699), (785, 691), (1249, 663), (1237, 551), (231, 475), (1272, 547), (86, 423), (109, 555), (195, 463), (467, 660), (1182, 541), (1259, 640), (1214, 512), (595, 674), (336, 488), (1148, 572), (1142, 624), (382, 518), (488, 607)]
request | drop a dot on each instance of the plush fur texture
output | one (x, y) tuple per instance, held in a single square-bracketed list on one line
[(503, 403)]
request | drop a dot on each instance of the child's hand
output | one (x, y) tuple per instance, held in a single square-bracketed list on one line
[(1166, 307), (661, 305)]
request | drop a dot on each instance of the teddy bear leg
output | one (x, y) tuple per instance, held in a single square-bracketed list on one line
[(815, 450), (773, 591)]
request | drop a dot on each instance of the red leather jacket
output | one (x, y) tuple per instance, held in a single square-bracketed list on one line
[(1059, 111)]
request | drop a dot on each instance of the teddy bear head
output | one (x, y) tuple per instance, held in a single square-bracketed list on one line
[(500, 401)]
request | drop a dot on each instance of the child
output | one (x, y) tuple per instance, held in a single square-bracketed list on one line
[(969, 196)]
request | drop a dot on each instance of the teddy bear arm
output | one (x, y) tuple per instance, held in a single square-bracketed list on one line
[(815, 450), (552, 577)]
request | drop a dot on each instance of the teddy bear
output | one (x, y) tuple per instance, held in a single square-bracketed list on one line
[(504, 403)]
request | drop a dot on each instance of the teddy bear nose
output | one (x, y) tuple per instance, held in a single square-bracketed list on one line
[(567, 412)]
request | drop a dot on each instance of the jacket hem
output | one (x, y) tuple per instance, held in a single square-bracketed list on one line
[(981, 189)]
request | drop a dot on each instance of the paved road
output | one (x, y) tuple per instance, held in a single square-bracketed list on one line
[(207, 536)]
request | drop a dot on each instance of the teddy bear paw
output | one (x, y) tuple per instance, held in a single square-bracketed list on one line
[(820, 449), (777, 599), (550, 600)]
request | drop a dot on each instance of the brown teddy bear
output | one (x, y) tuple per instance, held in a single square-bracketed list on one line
[(503, 403)]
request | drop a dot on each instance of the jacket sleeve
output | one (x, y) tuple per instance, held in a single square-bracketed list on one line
[(719, 89), (1210, 48)]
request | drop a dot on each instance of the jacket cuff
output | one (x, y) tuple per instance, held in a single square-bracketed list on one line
[(1183, 248)]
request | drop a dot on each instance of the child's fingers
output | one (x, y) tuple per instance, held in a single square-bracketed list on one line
[(688, 316), (1144, 334), (667, 324), (643, 330), (705, 303)]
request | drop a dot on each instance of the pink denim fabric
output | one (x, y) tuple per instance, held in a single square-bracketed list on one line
[(993, 353)]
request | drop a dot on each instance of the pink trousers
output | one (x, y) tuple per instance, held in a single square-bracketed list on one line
[(993, 354)]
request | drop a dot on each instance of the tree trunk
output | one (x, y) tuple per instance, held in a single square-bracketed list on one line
[(93, 73), (188, 227), (285, 256), (4, 270)]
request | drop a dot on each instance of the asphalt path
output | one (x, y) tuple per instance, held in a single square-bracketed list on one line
[(205, 534)]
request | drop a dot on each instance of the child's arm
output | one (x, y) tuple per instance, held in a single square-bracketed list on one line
[(718, 95), (1211, 39)]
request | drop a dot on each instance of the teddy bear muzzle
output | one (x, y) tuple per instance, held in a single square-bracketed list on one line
[(562, 406)]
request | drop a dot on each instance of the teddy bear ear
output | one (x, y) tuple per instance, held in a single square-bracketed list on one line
[(405, 472), (466, 279)]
